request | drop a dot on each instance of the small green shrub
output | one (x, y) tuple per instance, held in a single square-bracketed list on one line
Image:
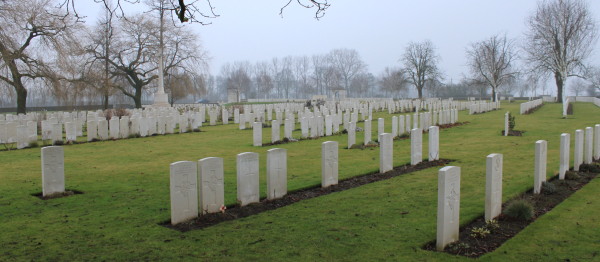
[(492, 225), (479, 232), (511, 121), (520, 210), (589, 168), (572, 175), (548, 188)]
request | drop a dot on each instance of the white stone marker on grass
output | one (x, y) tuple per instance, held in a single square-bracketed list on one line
[(380, 127), (597, 142), (394, 126), (247, 178), (211, 192), (184, 191), (541, 151), (288, 128), (276, 173), (113, 126), (367, 132), (506, 120), (257, 133), (578, 153), (53, 170), (493, 186), (416, 146), (565, 149), (351, 134), (329, 163), (275, 131), (588, 145), (92, 130), (434, 143), (448, 208), (386, 152), (401, 128)]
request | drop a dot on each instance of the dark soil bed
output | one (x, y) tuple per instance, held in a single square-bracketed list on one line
[(513, 132), (236, 212), (57, 195), (471, 244)]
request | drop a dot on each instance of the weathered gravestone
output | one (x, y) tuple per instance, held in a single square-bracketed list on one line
[(113, 125), (394, 126), (401, 128), (416, 146), (367, 131), (276, 173), (506, 121), (493, 186), (184, 191), (565, 149), (124, 127), (257, 133), (53, 170), (588, 145), (434, 143), (329, 163), (380, 127), (541, 151), (275, 131), (288, 128), (70, 131), (448, 208), (578, 153), (351, 134), (597, 142), (210, 187), (92, 130), (247, 178), (386, 153)]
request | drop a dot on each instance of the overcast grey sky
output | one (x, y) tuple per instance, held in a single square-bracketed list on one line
[(379, 30)]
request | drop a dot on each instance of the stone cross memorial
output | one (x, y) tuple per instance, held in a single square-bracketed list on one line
[(53, 170), (247, 178), (448, 208), (493, 186), (541, 151), (211, 192), (329, 163), (184, 191), (276, 173)]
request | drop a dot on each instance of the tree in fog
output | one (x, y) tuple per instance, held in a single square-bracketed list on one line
[(593, 77), (31, 31), (577, 87), (560, 38), (392, 82), (492, 61), (420, 64), (237, 78), (348, 64), (263, 79)]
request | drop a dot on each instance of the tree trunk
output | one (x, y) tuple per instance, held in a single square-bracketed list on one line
[(559, 85), (493, 94), (21, 97), (420, 91), (105, 101), (138, 97)]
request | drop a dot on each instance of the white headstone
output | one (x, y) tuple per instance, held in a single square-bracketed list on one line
[(416, 146), (328, 125), (92, 130), (493, 186), (351, 134), (329, 163), (394, 126), (367, 132), (22, 137), (113, 125), (565, 149), (57, 134), (380, 127), (247, 178), (276, 173), (434, 143), (578, 153), (53, 170), (70, 131), (257, 133), (210, 187), (541, 151), (597, 142), (184, 191), (588, 146), (288, 128), (102, 129), (386, 152), (506, 121), (275, 131), (448, 208), (124, 127), (401, 128)]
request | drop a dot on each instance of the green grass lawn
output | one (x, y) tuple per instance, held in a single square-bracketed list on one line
[(126, 196)]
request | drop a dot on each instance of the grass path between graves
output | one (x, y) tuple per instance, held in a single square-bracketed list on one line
[(126, 186)]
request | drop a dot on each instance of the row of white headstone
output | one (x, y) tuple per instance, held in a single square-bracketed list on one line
[(483, 106), (587, 149), (524, 107)]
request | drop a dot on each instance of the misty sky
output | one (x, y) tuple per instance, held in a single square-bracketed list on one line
[(379, 30)]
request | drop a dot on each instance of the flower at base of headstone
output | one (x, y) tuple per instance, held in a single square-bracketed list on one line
[(222, 209)]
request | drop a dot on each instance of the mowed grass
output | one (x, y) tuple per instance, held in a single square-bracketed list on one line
[(126, 196)]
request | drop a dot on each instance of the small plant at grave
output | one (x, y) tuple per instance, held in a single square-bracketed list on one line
[(33, 144), (548, 188), (456, 247), (572, 175), (519, 209), (492, 225), (589, 168), (479, 232), (511, 121)]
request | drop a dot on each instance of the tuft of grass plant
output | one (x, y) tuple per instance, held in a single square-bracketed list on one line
[(519, 209), (548, 188), (572, 175)]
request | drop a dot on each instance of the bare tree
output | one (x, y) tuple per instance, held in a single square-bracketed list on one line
[(578, 86), (393, 81), (593, 76), (492, 60), (29, 31), (420, 63), (237, 77), (263, 79), (348, 64), (561, 36)]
